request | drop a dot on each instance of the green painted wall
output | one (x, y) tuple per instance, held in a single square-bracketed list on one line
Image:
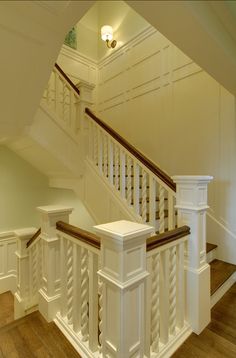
[(23, 188)]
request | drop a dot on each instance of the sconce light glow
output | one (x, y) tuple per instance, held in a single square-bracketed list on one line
[(107, 33)]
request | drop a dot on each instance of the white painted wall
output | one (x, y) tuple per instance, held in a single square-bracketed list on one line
[(176, 114), (23, 188)]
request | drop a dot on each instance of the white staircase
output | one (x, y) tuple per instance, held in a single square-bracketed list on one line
[(161, 285)]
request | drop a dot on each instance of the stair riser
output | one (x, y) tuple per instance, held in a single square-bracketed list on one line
[(212, 255)]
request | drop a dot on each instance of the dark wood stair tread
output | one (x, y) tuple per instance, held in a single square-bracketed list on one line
[(210, 247), (220, 272)]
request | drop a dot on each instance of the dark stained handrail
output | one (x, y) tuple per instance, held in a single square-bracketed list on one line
[(82, 235), (136, 153), (67, 78), (162, 239), (33, 238)]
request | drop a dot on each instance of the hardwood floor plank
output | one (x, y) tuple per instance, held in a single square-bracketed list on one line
[(33, 336), (219, 338), (7, 308)]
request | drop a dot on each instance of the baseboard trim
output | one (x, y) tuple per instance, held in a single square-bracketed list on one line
[(74, 339), (174, 343), (223, 289)]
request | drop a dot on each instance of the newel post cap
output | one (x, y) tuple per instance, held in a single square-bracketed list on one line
[(54, 209), (123, 230), (192, 179)]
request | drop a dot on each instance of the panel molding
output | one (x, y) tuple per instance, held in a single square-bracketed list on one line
[(131, 64), (7, 261)]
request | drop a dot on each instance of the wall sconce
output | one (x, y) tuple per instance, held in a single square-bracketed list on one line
[(107, 35)]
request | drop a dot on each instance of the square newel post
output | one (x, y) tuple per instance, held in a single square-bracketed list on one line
[(191, 203), (21, 297), (123, 274), (85, 99), (49, 294)]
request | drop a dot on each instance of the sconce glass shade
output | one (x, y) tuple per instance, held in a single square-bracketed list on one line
[(106, 33)]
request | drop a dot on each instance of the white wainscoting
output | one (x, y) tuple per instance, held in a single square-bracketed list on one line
[(77, 66), (178, 116), (7, 262), (129, 72)]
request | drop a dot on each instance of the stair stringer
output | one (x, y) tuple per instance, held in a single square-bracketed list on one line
[(102, 200)]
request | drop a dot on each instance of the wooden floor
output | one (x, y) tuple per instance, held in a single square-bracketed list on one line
[(30, 336), (6, 308), (219, 338)]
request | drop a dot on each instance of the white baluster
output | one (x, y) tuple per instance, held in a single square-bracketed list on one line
[(155, 311), (72, 112), (152, 202), (161, 209), (110, 161), (90, 140), (100, 150), (63, 251), (180, 297), (69, 268), (105, 160), (93, 301), (57, 93), (136, 191), (171, 211), (40, 263), (172, 294), (76, 287), (95, 147), (164, 297), (144, 195), (122, 173), (129, 180), (100, 294), (84, 294), (117, 162), (34, 270)]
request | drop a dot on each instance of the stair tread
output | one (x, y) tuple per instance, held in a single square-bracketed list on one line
[(210, 247), (220, 272)]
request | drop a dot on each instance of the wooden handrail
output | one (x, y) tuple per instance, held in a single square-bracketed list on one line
[(95, 241), (136, 153), (167, 237), (82, 235), (67, 78), (33, 238)]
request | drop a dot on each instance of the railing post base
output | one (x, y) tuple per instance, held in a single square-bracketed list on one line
[(21, 296), (123, 273), (49, 293), (191, 203)]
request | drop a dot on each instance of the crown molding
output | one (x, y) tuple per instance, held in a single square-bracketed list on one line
[(77, 56)]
